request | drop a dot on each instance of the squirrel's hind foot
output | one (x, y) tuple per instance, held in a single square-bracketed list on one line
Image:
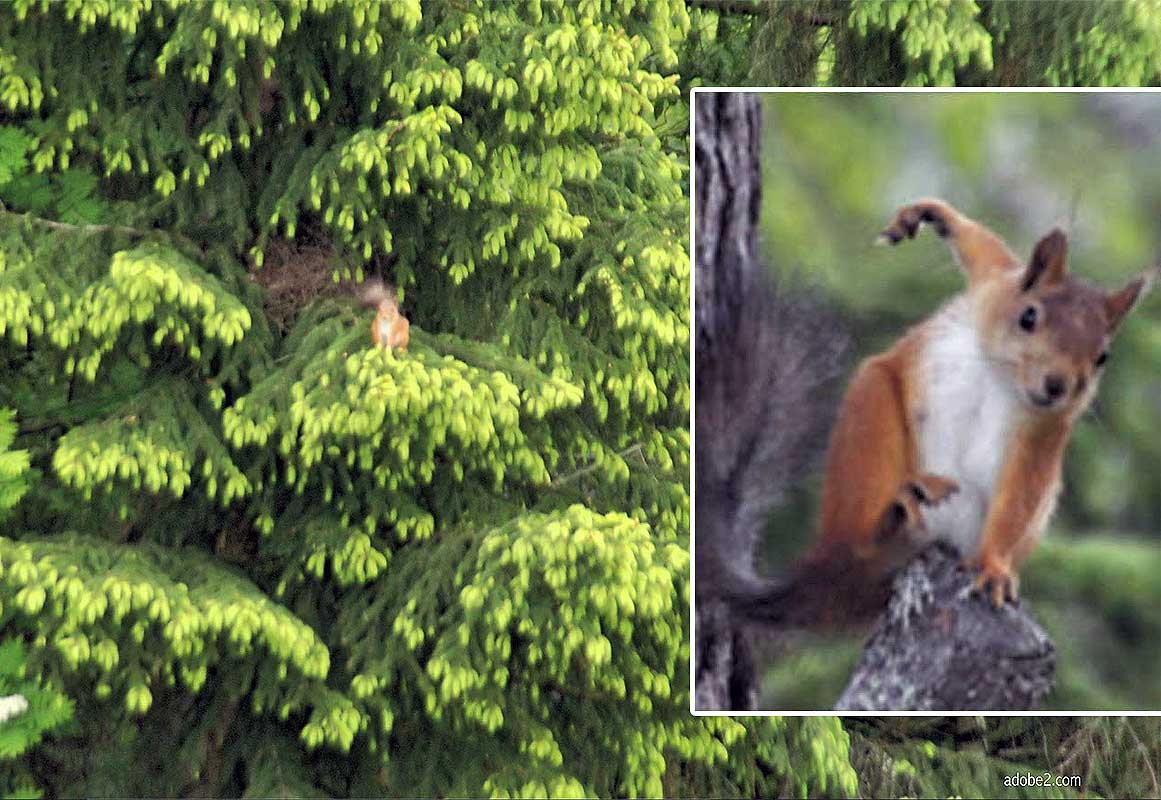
[(996, 581)]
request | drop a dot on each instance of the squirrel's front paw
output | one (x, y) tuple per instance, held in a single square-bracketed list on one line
[(996, 580), (901, 525), (930, 489), (907, 220)]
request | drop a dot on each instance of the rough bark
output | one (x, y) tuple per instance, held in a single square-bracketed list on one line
[(726, 195), (763, 358), (939, 647)]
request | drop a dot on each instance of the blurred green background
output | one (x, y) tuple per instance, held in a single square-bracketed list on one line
[(836, 166)]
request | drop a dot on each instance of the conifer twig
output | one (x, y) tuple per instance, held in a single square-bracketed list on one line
[(592, 466), (98, 228), (67, 226), (726, 6)]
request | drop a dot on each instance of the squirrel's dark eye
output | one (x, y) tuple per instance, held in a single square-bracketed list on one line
[(1028, 319), (1102, 358)]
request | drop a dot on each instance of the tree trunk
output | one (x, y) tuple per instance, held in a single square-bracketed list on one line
[(767, 364), (726, 191)]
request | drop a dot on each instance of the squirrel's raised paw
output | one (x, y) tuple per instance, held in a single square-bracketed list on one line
[(996, 581), (908, 219)]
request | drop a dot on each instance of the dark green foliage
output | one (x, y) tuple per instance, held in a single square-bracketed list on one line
[(69, 195), (717, 49), (266, 558), (1071, 43), (13, 465), (28, 708), (14, 147)]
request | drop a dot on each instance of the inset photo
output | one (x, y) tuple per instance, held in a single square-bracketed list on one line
[(927, 395)]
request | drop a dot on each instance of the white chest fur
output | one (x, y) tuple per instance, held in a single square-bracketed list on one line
[(964, 416)]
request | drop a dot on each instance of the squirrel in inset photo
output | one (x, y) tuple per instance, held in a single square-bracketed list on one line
[(984, 393), (390, 329), (957, 431)]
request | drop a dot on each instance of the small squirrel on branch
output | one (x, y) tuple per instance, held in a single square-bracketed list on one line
[(390, 330)]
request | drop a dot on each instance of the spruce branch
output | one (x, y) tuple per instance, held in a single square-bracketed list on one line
[(593, 466), (91, 229), (727, 6)]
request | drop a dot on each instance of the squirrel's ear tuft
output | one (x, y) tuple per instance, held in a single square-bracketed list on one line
[(1047, 264), (1118, 304)]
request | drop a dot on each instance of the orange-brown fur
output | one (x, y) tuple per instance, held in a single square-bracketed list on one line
[(872, 446), (874, 461), (390, 329)]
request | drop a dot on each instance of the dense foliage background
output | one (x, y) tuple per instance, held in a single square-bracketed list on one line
[(957, 43), (261, 557), (248, 554)]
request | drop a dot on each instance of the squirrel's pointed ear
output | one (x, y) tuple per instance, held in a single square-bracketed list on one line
[(1118, 304), (1047, 264)]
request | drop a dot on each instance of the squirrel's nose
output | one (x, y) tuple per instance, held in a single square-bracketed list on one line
[(1054, 386)]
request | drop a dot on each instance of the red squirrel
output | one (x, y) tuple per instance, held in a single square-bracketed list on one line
[(969, 413), (390, 329), (957, 431)]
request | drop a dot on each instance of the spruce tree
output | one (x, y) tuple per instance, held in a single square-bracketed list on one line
[(263, 557)]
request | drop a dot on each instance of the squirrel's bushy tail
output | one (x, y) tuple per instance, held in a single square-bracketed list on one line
[(766, 388), (373, 292), (765, 363)]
